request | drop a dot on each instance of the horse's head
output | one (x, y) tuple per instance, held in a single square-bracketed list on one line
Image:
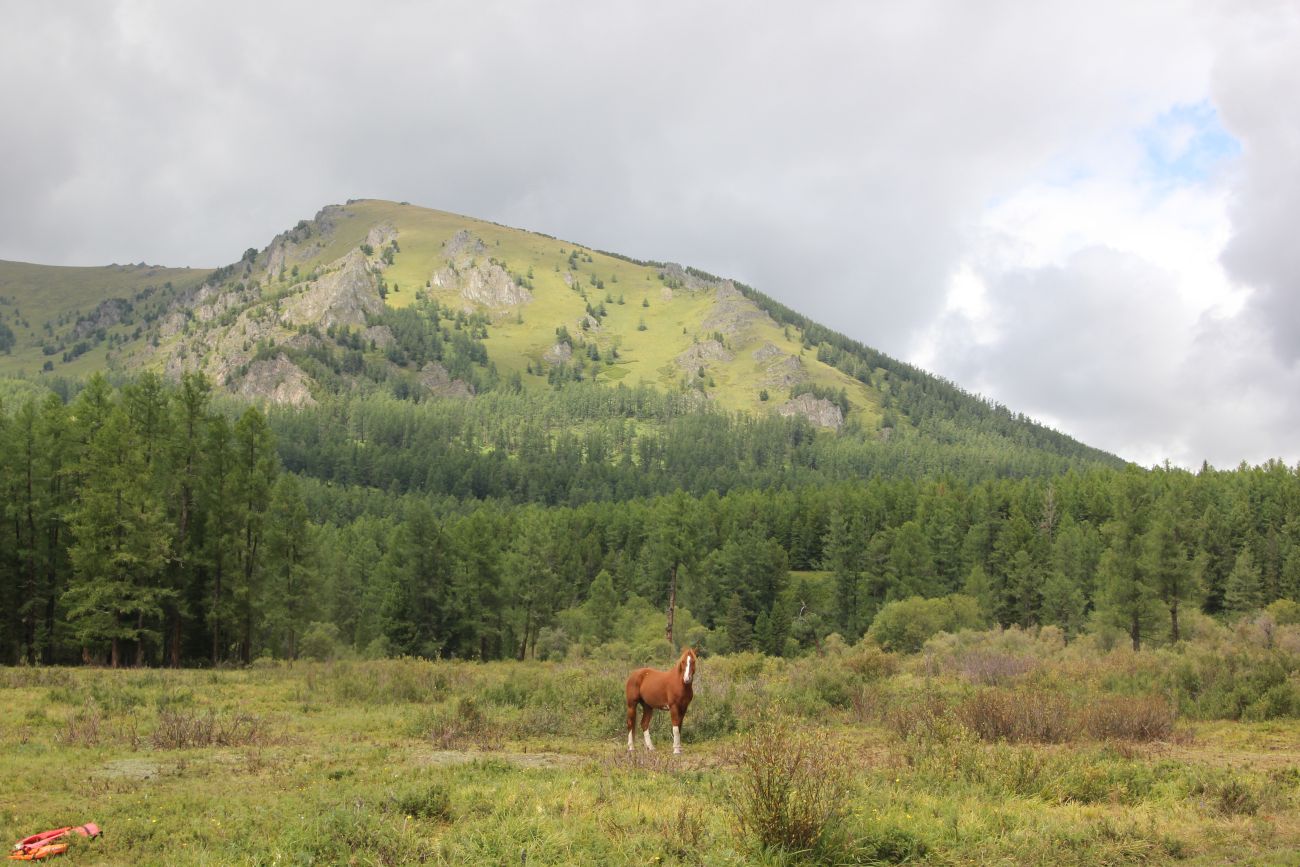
[(686, 665)]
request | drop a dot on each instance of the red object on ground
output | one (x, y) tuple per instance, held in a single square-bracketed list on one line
[(45, 844)]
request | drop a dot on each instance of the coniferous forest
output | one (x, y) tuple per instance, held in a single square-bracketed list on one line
[(155, 523)]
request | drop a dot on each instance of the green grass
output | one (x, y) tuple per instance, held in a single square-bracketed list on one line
[(44, 293), (406, 761)]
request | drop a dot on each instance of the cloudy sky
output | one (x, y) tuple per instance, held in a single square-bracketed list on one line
[(1087, 212)]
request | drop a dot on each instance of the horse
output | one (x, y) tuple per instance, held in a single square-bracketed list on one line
[(663, 690)]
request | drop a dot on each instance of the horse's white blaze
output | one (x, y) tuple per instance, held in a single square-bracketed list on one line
[(648, 745), (687, 678), (677, 739)]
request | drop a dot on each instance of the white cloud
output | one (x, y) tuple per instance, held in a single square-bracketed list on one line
[(1100, 303)]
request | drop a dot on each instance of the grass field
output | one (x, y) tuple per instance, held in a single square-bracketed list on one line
[(854, 757)]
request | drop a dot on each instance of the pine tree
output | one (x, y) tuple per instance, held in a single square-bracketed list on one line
[(1244, 590), (1165, 559), (121, 545), (673, 544), (54, 470), (287, 599), (1063, 603), (911, 569), (602, 606), (978, 586), (185, 459), (254, 473), (842, 549), (1127, 597), (738, 634), (217, 503)]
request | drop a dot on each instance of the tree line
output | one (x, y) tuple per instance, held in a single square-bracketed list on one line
[(155, 523)]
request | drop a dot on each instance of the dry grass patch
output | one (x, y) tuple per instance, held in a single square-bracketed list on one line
[(187, 729)]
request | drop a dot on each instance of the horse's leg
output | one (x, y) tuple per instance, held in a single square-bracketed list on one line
[(677, 730), (646, 712), (631, 723)]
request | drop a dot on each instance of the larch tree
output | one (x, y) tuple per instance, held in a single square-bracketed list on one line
[(120, 547)]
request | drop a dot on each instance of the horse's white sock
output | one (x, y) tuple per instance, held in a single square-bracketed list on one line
[(629, 740), (677, 740), (648, 745)]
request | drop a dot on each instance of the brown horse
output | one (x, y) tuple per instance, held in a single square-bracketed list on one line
[(665, 690)]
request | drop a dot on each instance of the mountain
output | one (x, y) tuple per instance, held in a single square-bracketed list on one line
[(382, 296)]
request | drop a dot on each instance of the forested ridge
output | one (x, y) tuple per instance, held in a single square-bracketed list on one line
[(154, 523)]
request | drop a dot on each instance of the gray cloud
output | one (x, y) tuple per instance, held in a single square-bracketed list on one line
[(1258, 66), (827, 157), (1099, 345), (835, 156)]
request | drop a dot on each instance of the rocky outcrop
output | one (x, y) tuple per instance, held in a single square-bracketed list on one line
[(105, 315), (438, 381), (231, 348), (381, 235), (464, 244), (819, 411), (381, 336), (276, 380), (780, 369), (703, 353), (211, 302), (733, 314), (676, 274), (344, 295), (784, 373), (479, 280), (558, 354)]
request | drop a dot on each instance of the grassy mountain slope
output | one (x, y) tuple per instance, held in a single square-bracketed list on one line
[(376, 295), (43, 305)]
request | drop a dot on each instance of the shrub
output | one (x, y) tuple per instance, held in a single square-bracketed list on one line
[(905, 625), (1284, 612), (1003, 715), (422, 800), (386, 682), (1226, 794), (1033, 716), (459, 725), (181, 729), (321, 641), (84, 729), (791, 792), (1132, 718)]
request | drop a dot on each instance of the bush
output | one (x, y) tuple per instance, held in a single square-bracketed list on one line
[(458, 726), (1284, 612), (182, 729), (1033, 716), (907, 624), (321, 641), (1003, 715), (791, 792), (1131, 718), (422, 800), (889, 846)]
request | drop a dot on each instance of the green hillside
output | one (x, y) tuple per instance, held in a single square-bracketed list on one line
[(42, 305), (380, 296)]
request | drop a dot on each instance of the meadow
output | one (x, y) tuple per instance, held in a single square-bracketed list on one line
[(998, 747)]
